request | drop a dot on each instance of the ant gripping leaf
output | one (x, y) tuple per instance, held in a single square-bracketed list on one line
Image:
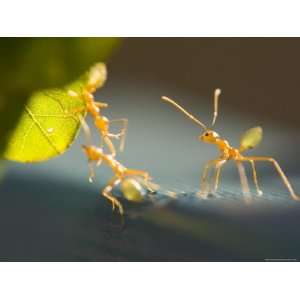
[(96, 78), (49, 124)]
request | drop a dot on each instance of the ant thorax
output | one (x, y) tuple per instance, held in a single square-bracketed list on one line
[(102, 123)]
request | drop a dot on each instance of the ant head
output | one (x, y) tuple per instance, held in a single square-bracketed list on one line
[(86, 148), (209, 136), (92, 152)]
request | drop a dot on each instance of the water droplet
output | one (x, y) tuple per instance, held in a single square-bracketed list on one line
[(50, 130), (72, 93)]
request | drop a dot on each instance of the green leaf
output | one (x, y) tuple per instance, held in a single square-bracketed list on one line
[(50, 120), (31, 64)]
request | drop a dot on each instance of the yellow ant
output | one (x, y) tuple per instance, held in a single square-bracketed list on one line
[(250, 139), (132, 187), (97, 77)]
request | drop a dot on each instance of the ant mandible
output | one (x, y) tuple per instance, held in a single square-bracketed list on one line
[(96, 79), (250, 139)]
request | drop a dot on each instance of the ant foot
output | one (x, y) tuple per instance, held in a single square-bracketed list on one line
[(113, 205), (296, 197), (120, 208), (202, 195), (259, 193)]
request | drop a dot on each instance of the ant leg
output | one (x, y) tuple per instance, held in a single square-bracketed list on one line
[(91, 171), (74, 94), (152, 187), (122, 132), (280, 172), (244, 181), (217, 176), (77, 111), (86, 130), (101, 104), (109, 144), (133, 172), (101, 141), (99, 162), (203, 183), (204, 187), (106, 192), (258, 190), (88, 138)]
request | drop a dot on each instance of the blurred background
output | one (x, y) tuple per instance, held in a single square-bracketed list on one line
[(49, 211)]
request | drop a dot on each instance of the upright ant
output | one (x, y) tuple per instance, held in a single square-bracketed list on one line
[(96, 79), (250, 139)]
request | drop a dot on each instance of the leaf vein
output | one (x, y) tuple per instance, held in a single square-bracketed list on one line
[(56, 100), (24, 138), (37, 123)]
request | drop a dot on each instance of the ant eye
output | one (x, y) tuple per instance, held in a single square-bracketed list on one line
[(206, 134)]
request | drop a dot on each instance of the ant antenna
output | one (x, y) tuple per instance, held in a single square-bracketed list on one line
[(216, 102), (184, 111)]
